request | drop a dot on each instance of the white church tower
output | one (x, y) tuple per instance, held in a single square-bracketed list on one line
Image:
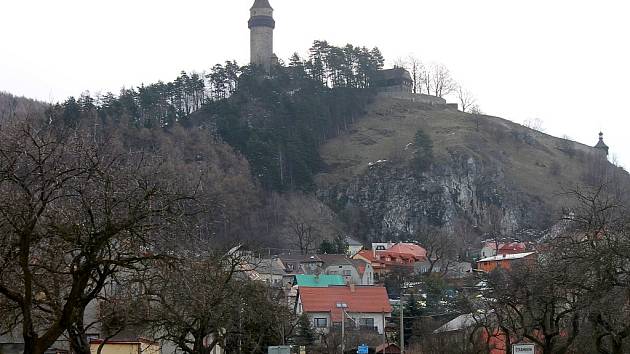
[(261, 25)]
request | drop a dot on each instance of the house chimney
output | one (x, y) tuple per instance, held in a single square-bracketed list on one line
[(352, 288)]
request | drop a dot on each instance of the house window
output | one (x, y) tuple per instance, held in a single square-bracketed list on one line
[(320, 322), (366, 322), (347, 273)]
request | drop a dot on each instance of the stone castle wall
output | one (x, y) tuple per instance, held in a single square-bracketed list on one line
[(413, 97)]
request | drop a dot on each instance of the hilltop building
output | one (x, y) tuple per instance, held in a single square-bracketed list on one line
[(394, 83), (397, 83), (261, 25), (601, 145), (394, 80)]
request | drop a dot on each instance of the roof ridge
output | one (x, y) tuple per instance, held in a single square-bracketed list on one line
[(262, 4)]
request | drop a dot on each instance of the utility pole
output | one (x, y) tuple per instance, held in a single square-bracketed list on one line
[(343, 306), (402, 325), (384, 335), (343, 334)]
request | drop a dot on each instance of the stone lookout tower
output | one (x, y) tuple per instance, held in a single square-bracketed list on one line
[(601, 145), (261, 25)]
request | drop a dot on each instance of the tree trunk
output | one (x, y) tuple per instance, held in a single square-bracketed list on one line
[(78, 339), (617, 345)]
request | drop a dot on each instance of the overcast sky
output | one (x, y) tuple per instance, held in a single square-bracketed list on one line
[(566, 62)]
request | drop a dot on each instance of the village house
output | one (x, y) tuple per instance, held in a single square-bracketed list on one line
[(354, 271), (298, 264), (456, 335), (354, 246), (401, 255), (126, 346), (363, 307), (505, 261), (270, 271), (493, 248)]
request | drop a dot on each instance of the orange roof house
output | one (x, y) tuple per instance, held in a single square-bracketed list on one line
[(505, 261), (363, 306), (398, 255), (493, 248), (406, 251)]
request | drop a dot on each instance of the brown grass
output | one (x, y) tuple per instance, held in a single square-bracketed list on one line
[(531, 160)]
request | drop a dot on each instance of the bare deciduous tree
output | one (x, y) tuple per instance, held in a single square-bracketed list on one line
[(306, 222), (594, 254), (439, 81), (415, 69), (466, 99), (75, 211), (192, 299), (476, 113), (535, 124), (207, 299), (534, 302), (439, 246)]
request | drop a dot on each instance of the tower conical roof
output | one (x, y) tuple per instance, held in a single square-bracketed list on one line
[(261, 4), (600, 143)]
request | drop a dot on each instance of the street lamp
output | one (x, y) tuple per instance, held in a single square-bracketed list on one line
[(343, 306)]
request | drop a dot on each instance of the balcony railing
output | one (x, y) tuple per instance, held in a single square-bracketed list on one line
[(351, 326)]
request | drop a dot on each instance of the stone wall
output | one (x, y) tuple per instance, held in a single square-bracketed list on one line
[(414, 97)]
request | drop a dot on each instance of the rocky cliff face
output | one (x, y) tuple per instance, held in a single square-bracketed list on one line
[(397, 201), (485, 173)]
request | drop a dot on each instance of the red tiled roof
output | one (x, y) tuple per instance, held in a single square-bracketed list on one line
[(364, 299), (515, 246), (509, 247), (391, 348), (367, 254), (407, 249)]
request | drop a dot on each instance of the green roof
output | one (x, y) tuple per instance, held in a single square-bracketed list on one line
[(319, 281)]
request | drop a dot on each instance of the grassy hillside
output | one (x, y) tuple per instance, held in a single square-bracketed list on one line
[(536, 162)]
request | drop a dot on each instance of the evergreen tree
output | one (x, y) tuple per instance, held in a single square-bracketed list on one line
[(306, 335), (413, 311), (336, 246), (326, 247), (341, 246), (71, 112), (423, 153)]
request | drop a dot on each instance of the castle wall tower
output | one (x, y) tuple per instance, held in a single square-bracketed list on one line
[(261, 25)]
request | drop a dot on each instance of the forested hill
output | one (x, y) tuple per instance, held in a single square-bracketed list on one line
[(312, 144), (254, 136), (13, 106), (277, 121)]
